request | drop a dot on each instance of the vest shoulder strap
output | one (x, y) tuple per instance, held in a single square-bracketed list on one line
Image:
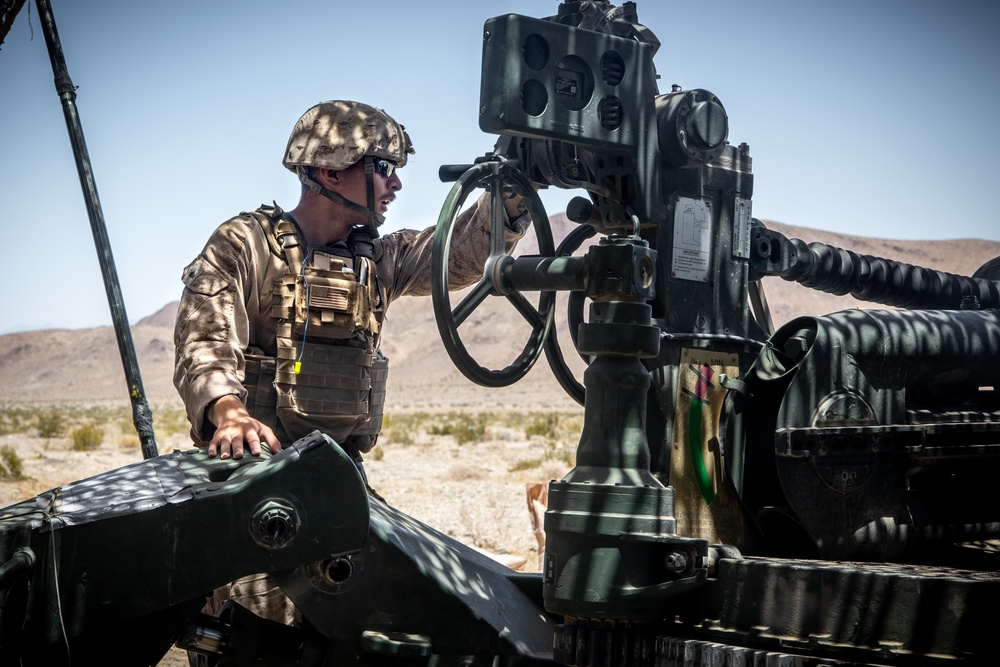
[(267, 217), (281, 234)]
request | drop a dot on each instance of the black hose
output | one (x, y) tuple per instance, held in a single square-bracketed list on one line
[(19, 564)]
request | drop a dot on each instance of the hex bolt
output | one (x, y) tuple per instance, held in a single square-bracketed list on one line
[(676, 561), (274, 523)]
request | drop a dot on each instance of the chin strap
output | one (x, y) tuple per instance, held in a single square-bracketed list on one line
[(370, 184), (374, 217)]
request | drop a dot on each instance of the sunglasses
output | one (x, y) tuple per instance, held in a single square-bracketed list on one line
[(383, 166)]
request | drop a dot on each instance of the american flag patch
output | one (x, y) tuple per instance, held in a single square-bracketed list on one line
[(336, 298)]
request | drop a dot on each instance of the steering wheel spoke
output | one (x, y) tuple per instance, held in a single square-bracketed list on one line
[(472, 301), (535, 318), (497, 244)]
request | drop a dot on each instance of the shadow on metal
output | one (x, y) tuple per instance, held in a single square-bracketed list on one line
[(121, 560)]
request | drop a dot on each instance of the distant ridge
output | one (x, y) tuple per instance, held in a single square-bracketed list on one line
[(83, 366), (164, 317)]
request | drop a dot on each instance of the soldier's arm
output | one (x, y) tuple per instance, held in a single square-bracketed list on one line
[(210, 335), (408, 253)]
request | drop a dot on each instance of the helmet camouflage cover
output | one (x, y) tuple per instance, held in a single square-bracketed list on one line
[(338, 133)]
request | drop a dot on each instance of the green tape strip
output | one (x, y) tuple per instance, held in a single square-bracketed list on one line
[(697, 454)]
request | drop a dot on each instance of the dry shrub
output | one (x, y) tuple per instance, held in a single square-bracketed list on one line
[(465, 428), (562, 456), (87, 437), (466, 473), (11, 465), (50, 424), (403, 429), (488, 525)]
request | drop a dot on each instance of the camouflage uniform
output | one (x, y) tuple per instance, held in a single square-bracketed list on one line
[(236, 324), (225, 313)]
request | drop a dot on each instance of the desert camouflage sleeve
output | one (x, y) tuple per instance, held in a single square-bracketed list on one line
[(405, 267), (212, 327)]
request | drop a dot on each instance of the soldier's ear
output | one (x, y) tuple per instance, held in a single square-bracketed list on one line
[(328, 178)]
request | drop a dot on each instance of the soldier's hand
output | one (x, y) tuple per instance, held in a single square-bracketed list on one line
[(236, 431), (514, 206)]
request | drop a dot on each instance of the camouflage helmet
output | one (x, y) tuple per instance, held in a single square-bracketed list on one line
[(338, 133)]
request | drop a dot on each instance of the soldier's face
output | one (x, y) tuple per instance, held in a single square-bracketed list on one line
[(355, 188)]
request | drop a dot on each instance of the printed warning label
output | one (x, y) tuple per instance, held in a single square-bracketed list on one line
[(692, 253)]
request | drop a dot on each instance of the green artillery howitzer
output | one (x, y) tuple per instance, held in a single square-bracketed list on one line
[(819, 494), (726, 469)]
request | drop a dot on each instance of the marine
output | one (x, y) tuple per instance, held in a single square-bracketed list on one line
[(279, 325)]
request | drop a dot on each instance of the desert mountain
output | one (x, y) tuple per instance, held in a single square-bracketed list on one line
[(82, 366)]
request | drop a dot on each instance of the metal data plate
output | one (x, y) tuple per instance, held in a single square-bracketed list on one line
[(742, 221)]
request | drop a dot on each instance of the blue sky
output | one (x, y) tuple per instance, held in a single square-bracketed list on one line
[(874, 118)]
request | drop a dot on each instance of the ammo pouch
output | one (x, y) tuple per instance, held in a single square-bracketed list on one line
[(332, 303), (258, 380), (349, 406), (339, 389)]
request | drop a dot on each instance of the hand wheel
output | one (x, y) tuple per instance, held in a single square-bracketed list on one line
[(574, 318), (495, 175)]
